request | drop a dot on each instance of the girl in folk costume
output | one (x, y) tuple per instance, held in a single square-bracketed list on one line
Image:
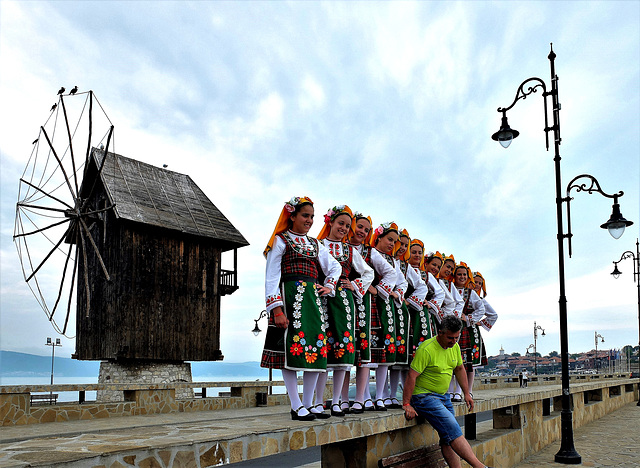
[(340, 310), (424, 322), (416, 293), (296, 337), (439, 267), (491, 316), (360, 238), (385, 326), (470, 340)]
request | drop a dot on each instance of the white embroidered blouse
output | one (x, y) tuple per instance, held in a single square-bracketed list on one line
[(330, 266), (337, 250)]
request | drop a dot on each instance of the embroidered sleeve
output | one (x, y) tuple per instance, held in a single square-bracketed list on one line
[(459, 301), (438, 293), (273, 298), (450, 306), (401, 284), (491, 316), (478, 307), (331, 268), (387, 274), (416, 300), (365, 271)]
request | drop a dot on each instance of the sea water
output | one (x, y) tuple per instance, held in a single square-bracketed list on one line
[(91, 395)]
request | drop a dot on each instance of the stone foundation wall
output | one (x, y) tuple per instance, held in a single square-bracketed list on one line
[(142, 373)]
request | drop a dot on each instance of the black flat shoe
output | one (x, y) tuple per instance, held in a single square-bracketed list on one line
[(380, 405), (395, 404), (358, 410), (369, 408), (336, 412), (320, 415), (307, 417), (344, 409)]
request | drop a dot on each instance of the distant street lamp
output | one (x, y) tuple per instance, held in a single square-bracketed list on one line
[(256, 331), (636, 277), (53, 345), (597, 335), (616, 225), (535, 344)]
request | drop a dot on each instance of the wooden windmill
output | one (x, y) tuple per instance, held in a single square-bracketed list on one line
[(143, 261)]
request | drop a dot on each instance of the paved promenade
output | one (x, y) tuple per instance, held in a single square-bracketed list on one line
[(613, 440)]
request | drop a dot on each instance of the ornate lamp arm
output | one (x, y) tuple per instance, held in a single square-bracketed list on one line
[(582, 187), (523, 92)]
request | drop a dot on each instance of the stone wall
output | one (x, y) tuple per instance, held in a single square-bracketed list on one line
[(142, 373)]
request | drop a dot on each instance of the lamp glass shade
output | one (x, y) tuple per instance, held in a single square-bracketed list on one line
[(616, 223), (256, 330), (616, 230), (616, 273)]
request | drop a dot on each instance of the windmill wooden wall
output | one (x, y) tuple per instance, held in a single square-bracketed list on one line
[(163, 300)]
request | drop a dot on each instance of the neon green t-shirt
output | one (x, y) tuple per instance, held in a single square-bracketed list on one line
[(435, 365)]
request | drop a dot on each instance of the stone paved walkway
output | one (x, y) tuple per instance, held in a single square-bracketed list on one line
[(613, 440)]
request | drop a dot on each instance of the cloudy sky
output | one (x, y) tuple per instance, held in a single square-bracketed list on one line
[(388, 107)]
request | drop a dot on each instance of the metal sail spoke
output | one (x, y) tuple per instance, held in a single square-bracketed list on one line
[(73, 160), (42, 229), (47, 194), (48, 255), (73, 282), (86, 272), (64, 273), (55, 155), (95, 248)]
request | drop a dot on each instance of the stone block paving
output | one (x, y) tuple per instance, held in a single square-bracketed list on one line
[(613, 440)]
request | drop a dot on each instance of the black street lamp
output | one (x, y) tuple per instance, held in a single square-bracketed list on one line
[(636, 277), (535, 344), (256, 331), (597, 335), (616, 224)]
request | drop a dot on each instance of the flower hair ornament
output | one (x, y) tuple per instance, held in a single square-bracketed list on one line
[(332, 214), (357, 217), (283, 221), (383, 230)]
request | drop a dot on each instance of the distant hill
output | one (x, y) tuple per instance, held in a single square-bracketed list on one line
[(14, 364)]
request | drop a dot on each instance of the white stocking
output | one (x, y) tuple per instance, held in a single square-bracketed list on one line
[(338, 380), (320, 386), (309, 381), (291, 384), (395, 376), (381, 381), (345, 389), (470, 376), (362, 383)]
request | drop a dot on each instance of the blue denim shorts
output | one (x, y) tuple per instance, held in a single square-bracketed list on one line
[(438, 410)]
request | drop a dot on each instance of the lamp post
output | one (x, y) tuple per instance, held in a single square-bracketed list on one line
[(535, 344), (53, 345), (531, 346), (616, 225), (597, 335), (256, 331), (636, 277)]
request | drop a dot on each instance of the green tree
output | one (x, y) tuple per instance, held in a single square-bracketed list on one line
[(553, 354), (516, 354)]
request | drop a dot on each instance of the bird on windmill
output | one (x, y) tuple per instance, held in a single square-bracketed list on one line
[(60, 91), (74, 90), (53, 107)]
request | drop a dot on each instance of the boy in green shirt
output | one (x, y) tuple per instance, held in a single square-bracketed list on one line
[(425, 391)]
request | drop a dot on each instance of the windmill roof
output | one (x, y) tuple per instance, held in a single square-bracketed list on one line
[(156, 196)]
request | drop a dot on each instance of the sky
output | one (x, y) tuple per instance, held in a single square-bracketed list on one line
[(387, 107)]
